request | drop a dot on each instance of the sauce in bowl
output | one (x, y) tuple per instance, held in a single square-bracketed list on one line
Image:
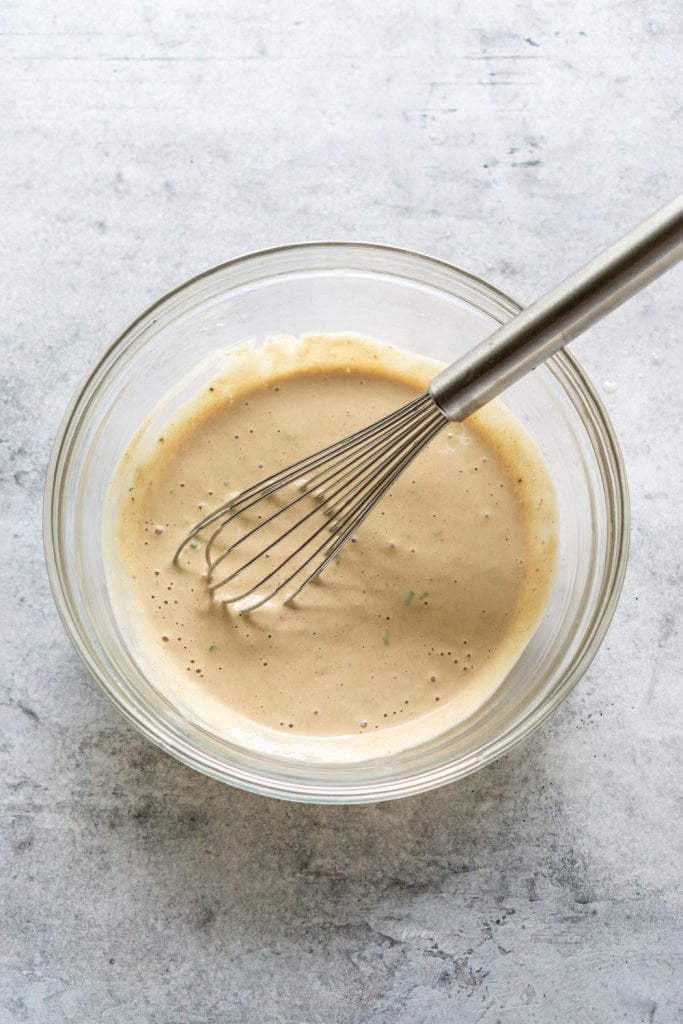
[(416, 623)]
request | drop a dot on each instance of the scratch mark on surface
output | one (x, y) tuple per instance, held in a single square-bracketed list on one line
[(29, 712)]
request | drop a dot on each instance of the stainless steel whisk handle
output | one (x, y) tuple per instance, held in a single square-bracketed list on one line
[(561, 314)]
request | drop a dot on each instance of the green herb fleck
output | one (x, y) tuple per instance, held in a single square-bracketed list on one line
[(212, 647), (424, 594), (409, 597), (387, 637), (194, 544)]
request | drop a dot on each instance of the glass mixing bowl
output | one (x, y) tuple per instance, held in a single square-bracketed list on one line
[(415, 302)]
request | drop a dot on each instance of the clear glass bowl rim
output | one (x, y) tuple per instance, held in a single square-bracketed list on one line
[(563, 365)]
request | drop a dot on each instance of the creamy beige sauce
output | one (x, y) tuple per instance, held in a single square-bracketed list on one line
[(414, 625)]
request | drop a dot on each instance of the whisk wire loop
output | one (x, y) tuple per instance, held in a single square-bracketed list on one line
[(349, 478), (342, 532), (360, 496), (346, 474)]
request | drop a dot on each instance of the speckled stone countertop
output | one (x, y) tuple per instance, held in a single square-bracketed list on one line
[(143, 144)]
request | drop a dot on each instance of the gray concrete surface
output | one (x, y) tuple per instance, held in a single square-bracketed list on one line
[(142, 143)]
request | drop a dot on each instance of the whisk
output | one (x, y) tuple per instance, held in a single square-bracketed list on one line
[(284, 530)]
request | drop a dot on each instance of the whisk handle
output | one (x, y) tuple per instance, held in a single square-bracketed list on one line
[(562, 314)]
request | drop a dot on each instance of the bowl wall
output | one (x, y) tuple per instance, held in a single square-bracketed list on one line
[(411, 301)]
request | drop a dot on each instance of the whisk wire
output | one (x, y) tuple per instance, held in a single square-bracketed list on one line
[(349, 478), (357, 505), (366, 501), (344, 470), (267, 486)]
